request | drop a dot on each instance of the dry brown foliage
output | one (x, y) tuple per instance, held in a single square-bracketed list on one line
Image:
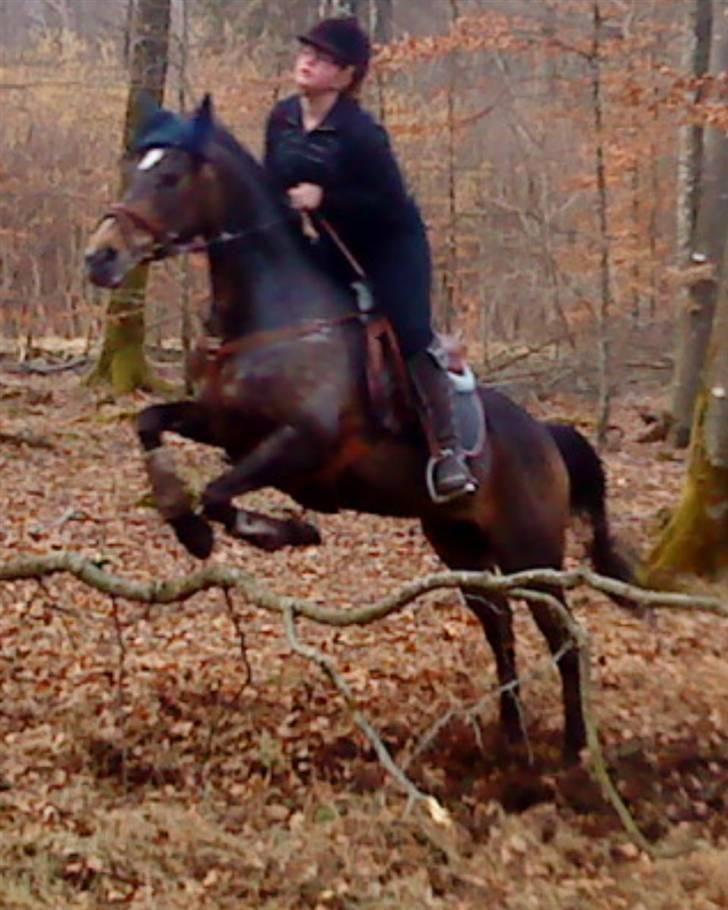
[(492, 121), (142, 766)]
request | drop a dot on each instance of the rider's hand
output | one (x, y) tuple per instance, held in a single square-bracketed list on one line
[(305, 197)]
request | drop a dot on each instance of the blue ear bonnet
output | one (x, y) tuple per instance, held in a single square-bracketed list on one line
[(160, 128)]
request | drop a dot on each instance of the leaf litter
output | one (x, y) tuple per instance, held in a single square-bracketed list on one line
[(141, 766)]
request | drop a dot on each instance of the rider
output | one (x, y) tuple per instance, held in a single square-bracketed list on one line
[(335, 161)]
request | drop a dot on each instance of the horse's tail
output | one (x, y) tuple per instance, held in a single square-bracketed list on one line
[(588, 483)]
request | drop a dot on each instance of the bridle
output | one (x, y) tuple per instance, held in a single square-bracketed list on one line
[(165, 244), (129, 220)]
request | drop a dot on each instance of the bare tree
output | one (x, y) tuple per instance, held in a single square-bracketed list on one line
[(702, 216), (122, 362), (340, 8), (606, 296), (696, 539), (450, 271), (381, 20)]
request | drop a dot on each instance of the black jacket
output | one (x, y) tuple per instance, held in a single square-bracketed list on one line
[(365, 200)]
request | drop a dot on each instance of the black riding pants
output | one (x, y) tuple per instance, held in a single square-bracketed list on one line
[(398, 267)]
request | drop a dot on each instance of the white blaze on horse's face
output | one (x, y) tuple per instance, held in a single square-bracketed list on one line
[(152, 158)]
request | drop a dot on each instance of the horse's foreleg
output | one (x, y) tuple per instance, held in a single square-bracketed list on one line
[(173, 500), (284, 454)]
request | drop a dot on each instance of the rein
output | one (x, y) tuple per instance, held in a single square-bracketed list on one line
[(166, 245)]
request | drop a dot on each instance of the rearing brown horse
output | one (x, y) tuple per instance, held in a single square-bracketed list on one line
[(284, 394)]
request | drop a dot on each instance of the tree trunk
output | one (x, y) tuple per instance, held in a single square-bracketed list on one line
[(605, 268), (450, 269), (183, 42), (702, 216), (339, 8), (716, 417), (696, 540), (381, 20), (123, 363)]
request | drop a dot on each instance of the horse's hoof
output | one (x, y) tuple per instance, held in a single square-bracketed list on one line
[(194, 533), (292, 533), (302, 534)]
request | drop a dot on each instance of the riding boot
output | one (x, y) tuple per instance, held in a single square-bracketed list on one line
[(448, 476)]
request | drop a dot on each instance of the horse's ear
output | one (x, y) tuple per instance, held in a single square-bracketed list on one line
[(202, 124)]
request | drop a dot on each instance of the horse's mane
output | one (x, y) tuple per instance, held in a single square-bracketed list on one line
[(237, 152)]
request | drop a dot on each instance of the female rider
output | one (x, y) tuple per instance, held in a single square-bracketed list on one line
[(333, 160)]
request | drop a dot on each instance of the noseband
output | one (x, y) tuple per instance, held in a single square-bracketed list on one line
[(128, 220)]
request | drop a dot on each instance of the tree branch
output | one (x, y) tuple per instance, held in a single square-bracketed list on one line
[(218, 576), (414, 794), (291, 608)]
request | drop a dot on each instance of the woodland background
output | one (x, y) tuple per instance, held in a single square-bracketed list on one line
[(181, 756), (495, 124)]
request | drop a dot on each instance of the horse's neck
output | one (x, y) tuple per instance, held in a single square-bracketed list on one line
[(260, 278), (263, 282)]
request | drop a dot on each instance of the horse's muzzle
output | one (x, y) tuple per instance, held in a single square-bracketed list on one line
[(105, 267)]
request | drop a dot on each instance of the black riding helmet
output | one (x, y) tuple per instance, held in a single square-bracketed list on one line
[(345, 40)]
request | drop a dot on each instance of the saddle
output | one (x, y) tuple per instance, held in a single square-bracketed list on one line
[(390, 391), (388, 383)]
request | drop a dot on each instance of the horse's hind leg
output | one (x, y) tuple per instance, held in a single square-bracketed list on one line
[(496, 618), (464, 547), (546, 552), (189, 419), (565, 653)]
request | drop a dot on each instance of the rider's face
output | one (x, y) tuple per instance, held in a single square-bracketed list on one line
[(316, 72)]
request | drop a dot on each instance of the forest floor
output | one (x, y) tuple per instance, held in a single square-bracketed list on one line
[(139, 767)]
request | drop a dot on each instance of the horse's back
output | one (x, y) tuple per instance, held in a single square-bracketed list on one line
[(512, 425), (526, 466)]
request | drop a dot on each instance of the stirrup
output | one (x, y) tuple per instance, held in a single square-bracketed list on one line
[(470, 486)]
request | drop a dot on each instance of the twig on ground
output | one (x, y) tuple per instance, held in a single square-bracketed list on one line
[(26, 439), (46, 369), (239, 631), (471, 712), (414, 794), (120, 680)]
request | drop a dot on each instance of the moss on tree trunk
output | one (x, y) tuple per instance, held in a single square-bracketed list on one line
[(695, 542), (122, 364)]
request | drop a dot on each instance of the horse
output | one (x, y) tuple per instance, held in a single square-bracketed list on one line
[(282, 391)]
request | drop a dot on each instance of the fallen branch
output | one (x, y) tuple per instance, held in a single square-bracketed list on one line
[(45, 368), (519, 585), (414, 794), (26, 439), (599, 764), (218, 576)]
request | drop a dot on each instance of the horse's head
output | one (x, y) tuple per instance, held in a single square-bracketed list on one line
[(169, 197)]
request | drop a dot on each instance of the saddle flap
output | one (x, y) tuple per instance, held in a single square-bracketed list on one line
[(389, 386)]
